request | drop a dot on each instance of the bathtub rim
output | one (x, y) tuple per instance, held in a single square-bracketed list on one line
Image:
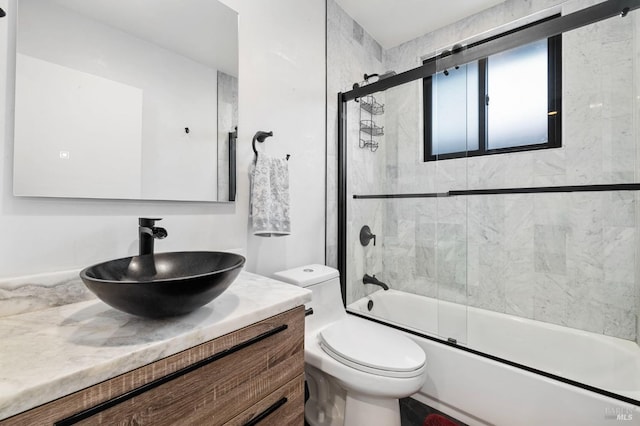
[(552, 376)]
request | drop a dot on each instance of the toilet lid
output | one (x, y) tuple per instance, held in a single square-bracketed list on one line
[(373, 348)]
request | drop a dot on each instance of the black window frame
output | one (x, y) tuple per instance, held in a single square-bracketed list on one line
[(554, 100)]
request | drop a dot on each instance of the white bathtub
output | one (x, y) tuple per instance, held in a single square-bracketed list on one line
[(478, 390)]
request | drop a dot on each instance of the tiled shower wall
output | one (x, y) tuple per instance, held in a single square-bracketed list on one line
[(351, 52), (568, 259)]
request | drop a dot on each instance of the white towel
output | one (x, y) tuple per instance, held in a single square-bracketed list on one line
[(269, 209)]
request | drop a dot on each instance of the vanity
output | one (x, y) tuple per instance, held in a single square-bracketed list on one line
[(238, 360)]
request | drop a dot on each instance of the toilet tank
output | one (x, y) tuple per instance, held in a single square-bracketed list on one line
[(326, 299)]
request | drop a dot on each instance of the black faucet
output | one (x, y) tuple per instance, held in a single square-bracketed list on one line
[(368, 279), (147, 233)]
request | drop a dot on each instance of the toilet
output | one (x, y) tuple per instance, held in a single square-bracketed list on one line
[(356, 369)]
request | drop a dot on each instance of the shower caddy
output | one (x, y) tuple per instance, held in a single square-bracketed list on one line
[(368, 127)]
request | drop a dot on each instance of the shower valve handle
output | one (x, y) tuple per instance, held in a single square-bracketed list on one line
[(366, 235)]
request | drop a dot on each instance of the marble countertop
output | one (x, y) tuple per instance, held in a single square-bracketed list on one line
[(51, 353)]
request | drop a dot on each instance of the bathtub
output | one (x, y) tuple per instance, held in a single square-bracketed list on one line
[(479, 390)]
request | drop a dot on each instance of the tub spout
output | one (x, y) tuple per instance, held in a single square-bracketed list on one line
[(368, 279)]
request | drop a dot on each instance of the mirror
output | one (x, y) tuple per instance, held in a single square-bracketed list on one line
[(126, 99)]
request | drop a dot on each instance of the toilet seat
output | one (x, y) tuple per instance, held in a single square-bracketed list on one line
[(371, 348)]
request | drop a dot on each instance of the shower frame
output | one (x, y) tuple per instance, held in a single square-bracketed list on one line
[(449, 59)]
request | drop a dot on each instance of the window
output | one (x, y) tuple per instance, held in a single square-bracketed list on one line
[(507, 102)]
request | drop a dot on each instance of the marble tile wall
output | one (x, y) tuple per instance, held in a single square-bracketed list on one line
[(352, 52), (568, 259)]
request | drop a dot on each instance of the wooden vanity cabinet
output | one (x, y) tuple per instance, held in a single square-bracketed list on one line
[(252, 376)]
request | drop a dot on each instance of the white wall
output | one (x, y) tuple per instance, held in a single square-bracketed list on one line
[(281, 89)]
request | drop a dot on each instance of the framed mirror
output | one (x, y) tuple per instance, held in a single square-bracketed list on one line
[(126, 99)]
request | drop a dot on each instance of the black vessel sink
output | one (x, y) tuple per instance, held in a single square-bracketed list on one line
[(163, 284)]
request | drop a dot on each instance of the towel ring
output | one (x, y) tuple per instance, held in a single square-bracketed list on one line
[(260, 136)]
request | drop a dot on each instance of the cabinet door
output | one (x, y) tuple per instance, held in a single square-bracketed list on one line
[(206, 385)]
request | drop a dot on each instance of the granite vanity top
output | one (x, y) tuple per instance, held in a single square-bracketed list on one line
[(50, 353)]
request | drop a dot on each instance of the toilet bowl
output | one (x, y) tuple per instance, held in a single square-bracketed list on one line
[(356, 369)]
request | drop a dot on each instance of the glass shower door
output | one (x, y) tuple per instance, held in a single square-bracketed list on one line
[(450, 115)]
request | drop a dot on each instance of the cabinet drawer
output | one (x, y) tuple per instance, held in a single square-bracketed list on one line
[(285, 406), (208, 384)]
